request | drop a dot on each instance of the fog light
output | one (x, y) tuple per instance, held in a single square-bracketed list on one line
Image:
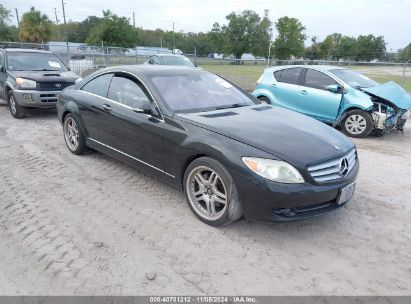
[(27, 98)]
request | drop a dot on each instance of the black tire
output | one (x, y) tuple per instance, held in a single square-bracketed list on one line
[(232, 210), (16, 110), (357, 124), (80, 147), (264, 99)]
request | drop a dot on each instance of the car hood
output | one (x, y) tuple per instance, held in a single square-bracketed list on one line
[(392, 92), (46, 75), (285, 134)]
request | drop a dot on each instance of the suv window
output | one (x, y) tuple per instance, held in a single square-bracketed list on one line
[(290, 75), (126, 91), (317, 80), (98, 85), (1, 60)]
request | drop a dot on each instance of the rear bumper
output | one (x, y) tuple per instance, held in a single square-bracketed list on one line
[(269, 201), (36, 99)]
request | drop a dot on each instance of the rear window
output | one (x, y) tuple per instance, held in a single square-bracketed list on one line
[(290, 75)]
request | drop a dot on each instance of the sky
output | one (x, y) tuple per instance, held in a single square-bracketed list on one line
[(390, 19)]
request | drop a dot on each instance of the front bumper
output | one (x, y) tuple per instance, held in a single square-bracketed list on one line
[(265, 200), (36, 99)]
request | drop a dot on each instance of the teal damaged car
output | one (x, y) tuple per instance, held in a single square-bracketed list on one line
[(337, 96)]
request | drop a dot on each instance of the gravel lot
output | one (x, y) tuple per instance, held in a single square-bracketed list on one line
[(91, 225)]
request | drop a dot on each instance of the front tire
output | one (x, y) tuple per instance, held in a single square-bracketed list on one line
[(16, 110), (211, 192), (357, 124), (73, 135)]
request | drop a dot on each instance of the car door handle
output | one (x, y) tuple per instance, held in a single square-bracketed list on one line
[(106, 107), (273, 85), (304, 92)]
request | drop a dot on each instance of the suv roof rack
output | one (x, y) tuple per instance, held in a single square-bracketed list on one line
[(24, 45)]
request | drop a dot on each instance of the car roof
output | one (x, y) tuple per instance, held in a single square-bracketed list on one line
[(312, 66), (150, 70), (18, 50), (168, 55)]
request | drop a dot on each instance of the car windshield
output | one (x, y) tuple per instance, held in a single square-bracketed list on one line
[(199, 93), (354, 79), (31, 61), (177, 60)]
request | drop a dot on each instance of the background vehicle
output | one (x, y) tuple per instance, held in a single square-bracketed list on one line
[(169, 59), (200, 133), (336, 96), (32, 79)]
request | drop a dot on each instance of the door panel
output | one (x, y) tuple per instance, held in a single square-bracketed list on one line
[(91, 99), (136, 134), (318, 102), (3, 77), (287, 89)]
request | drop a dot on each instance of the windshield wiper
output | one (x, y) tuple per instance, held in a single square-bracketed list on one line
[(45, 70), (234, 105)]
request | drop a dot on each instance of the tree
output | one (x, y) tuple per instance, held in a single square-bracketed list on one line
[(313, 52), (246, 32), (7, 33), (405, 53), (290, 39), (113, 31), (35, 27), (370, 48)]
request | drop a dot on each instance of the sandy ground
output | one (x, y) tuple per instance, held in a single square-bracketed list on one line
[(90, 225)]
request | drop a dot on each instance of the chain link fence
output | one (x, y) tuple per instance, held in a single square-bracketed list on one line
[(82, 59)]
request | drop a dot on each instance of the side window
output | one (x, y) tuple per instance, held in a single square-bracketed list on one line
[(318, 80), (150, 60), (1, 61), (156, 60), (277, 75), (98, 85), (126, 91), (290, 75)]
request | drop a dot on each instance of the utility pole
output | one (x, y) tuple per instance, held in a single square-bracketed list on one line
[(134, 20), (57, 24), (65, 31), (269, 48), (174, 40), (17, 16)]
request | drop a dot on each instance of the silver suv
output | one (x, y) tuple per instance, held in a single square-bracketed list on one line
[(31, 78)]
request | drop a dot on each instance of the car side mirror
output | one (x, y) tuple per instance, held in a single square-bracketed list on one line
[(143, 106), (335, 88)]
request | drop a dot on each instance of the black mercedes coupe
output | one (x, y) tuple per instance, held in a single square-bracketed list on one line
[(231, 155)]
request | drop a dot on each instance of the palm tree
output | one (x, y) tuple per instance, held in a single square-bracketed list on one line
[(35, 27)]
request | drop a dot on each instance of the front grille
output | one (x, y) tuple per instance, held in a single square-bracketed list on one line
[(53, 85), (331, 170), (48, 97)]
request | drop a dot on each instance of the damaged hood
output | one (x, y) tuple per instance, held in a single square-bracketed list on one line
[(392, 92)]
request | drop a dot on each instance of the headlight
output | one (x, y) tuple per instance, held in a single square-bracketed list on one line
[(26, 83), (78, 80), (274, 170)]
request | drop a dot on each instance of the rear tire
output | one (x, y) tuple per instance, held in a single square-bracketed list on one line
[(211, 192), (16, 110), (74, 135), (264, 100), (357, 124)]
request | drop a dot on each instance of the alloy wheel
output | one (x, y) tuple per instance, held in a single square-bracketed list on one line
[(13, 105), (71, 134), (356, 124), (207, 193)]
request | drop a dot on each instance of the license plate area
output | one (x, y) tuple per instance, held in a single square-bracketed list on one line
[(346, 194)]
